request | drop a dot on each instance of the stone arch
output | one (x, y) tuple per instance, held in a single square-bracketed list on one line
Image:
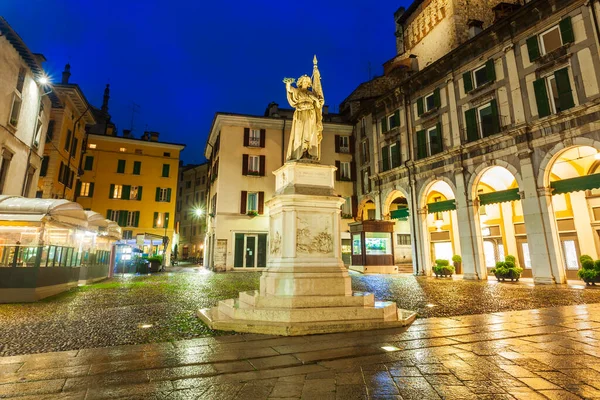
[(483, 167), (362, 204), (543, 178), (391, 196), (422, 197)]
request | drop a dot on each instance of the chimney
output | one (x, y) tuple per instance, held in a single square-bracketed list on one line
[(146, 136), (66, 74), (126, 133), (154, 136), (273, 110), (475, 27), (105, 99)]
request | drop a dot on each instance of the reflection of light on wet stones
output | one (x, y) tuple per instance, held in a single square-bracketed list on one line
[(145, 326), (390, 348), (430, 305)]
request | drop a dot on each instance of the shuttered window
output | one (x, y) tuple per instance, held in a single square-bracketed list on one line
[(553, 93), (551, 39)]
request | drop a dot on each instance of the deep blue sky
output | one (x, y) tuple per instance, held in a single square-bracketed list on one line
[(184, 60)]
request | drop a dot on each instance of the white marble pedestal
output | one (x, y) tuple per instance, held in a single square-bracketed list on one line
[(305, 288)]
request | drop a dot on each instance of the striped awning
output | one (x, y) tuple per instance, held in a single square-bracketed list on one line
[(441, 206), (587, 182), (401, 214), (501, 196)]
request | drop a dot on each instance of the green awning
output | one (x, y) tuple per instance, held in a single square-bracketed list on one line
[(440, 206), (401, 213), (500, 196), (587, 182)]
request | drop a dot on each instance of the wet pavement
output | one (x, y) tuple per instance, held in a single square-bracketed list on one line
[(161, 308), (550, 353)]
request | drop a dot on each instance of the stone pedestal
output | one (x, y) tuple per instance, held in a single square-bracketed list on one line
[(305, 288)]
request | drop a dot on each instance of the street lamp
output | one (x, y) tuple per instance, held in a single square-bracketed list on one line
[(198, 212)]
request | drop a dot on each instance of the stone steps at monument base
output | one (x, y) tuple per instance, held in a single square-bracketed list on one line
[(405, 268), (380, 311), (253, 299)]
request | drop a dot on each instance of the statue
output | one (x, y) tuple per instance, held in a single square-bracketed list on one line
[(307, 126)]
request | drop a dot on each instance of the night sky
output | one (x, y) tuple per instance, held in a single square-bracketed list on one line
[(183, 60)]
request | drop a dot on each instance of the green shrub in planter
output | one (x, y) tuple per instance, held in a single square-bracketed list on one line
[(507, 269), (590, 271), (442, 268)]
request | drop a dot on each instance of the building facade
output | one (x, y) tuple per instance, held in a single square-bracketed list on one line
[(65, 137), (191, 211), (492, 148), (24, 114), (243, 151), (132, 182)]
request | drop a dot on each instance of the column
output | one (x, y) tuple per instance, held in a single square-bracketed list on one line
[(469, 230), (540, 224), (508, 233), (423, 245)]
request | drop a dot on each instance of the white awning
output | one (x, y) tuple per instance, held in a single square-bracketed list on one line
[(17, 208)]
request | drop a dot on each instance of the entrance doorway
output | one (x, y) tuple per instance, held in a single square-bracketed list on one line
[(570, 250), (250, 250), (524, 256)]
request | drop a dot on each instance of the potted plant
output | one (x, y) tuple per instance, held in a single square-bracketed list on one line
[(507, 269), (155, 263), (457, 262), (141, 266), (590, 271), (252, 213), (443, 268)]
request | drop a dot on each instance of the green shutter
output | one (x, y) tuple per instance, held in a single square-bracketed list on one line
[(262, 251), (384, 127), (563, 85), (78, 188), (490, 70), (385, 158), (108, 212), (89, 163), (157, 197), (566, 30), (121, 166), (397, 118), (471, 122), (111, 191), (533, 48), (580, 183), (238, 256), (440, 140), (126, 191), (401, 214), (165, 170), (168, 195), (468, 81), (91, 189), (122, 218), (441, 206), (436, 98), (139, 193), (500, 196), (166, 224), (421, 144), (155, 219), (395, 150), (541, 97), (420, 107), (495, 117), (137, 167), (136, 219)]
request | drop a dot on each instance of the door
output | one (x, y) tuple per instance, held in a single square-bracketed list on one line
[(570, 250), (524, 257), (250, 256)]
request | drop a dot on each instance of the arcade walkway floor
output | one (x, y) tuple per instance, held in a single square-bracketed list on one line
[(161, 308)]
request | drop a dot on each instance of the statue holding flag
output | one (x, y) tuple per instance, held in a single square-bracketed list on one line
[(307, 125)]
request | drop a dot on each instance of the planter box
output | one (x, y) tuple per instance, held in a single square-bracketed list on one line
[(512, 276)]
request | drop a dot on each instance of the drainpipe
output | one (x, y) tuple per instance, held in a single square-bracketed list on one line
[(413, 196)]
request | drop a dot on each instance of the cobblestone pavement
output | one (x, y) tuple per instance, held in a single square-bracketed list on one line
[(550, 353), (161, 307)]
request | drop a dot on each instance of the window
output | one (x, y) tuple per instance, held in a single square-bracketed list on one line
[(197, 182), (553, 93), (184, 231), (365, 152), (188, 184), (254, 165), (28, 180), (161, 220), (254, 139), (117, 191), (482, 121), (74, 147), (438, 216), (85, 189), (479, 76), (15, 110), (113, 215), (92, 146), (187, 200), (138, 151), (135, 193), (120, 166), (38, 126), (166, 154), (44, 167), (345, 173), (551, 39), (163, 194), (389, 122), (403, 239), (363, 126), (344, 144), (128, 235), (4, 169), (165, 170), (366, 182), (50, 130), (347, 207), (252, 203), (429, 103), (68, 140), (133, 218), (122, 149), (390, 156), (429, 141), (137, 167), (89, 163)]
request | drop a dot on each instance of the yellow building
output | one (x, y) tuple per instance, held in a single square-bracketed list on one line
[(133, 182)]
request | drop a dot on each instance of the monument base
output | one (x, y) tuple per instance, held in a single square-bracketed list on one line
[(375, 269), (306, 287)]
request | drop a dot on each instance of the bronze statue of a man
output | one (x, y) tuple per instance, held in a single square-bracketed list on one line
[(307, 126)]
